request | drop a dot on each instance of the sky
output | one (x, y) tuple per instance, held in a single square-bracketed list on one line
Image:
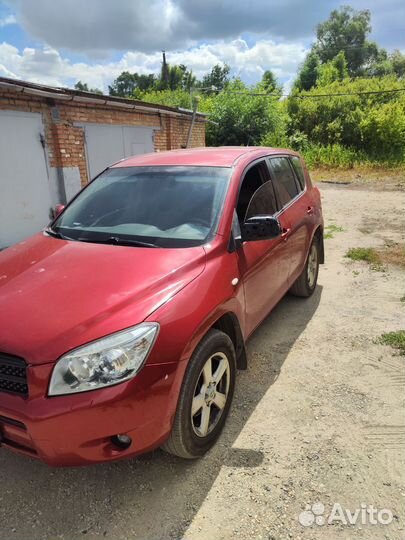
[(59, 42)]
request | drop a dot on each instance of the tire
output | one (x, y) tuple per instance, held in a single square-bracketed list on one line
[(306, 282), (191, 436)]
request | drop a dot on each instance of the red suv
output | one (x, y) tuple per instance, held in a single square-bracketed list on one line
[(123, 323)]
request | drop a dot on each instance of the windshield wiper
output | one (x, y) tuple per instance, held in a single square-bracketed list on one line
[(57, 234), (117, 241)]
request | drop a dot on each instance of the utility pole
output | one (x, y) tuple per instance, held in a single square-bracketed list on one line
[(190, 130)]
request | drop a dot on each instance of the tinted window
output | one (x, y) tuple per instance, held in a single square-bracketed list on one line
[(299, 171), (284, 181), (263, 201), (256, 195), (168, 206)]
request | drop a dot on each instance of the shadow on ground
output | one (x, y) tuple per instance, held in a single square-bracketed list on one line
[(156, 496)]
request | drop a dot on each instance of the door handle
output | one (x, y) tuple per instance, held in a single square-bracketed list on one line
[(310, 210), (285, 234)]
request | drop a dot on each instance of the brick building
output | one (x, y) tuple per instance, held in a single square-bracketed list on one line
[(53, 140)]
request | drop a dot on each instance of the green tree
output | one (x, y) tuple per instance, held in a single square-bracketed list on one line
[(124, 85), (347, 30), (334, 70), (218, 77), (308, 74), (131, 84), (83, 87), (175, 78), (398, 63), (269, 83), (238, 118)]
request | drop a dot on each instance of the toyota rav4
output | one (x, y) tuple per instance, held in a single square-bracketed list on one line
[(123, 323)]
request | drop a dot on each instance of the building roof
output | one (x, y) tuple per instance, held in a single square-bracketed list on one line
[(78, 96), (223, 156)]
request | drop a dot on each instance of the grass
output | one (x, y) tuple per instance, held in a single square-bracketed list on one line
[(378, 258), (369, 255), (378, 176), (396, 340), (342, 157), (331, 229), (394, 254)]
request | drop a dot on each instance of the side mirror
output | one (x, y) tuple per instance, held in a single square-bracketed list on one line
[(58, 210), (260, 228)]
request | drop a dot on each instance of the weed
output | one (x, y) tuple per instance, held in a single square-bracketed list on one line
[(369, 255), (396, 340), (331, 229)]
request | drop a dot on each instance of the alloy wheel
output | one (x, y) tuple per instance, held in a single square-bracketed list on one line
[(210, 394), (312, 266)]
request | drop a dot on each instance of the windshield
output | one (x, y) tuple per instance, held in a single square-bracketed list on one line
[(163, 206)]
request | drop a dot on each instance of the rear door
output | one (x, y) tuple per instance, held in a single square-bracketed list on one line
[(294, 212)]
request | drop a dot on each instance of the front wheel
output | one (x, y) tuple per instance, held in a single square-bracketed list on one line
[(205, 397), (306, 281)]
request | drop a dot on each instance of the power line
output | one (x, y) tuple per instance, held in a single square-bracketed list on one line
[(314, 46), (295, 96), (366, 93)]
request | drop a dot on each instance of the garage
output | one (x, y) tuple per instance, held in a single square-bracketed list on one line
[(25, 195), (55, 140), (106, 144)]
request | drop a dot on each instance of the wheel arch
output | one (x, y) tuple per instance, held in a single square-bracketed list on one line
[(319, 235), (229, 324)]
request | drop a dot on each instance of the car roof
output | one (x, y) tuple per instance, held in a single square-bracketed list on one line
[(222, 156)]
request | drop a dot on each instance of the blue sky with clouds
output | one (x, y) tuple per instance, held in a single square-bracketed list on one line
[(58, 42)]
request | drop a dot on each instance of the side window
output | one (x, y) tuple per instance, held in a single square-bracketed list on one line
[(284, 182), (256, 195), (299, 171), (263, 201)]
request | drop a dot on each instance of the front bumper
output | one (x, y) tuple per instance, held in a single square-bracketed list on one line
[(77, 429)]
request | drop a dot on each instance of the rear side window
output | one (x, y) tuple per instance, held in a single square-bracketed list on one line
[(299, 171), (284, 182)]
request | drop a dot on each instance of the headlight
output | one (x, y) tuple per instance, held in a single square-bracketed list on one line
[(107, 361)]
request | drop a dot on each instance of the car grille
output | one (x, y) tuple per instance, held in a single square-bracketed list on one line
[(13, 375)]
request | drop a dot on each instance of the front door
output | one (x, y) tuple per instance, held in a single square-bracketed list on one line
[(263, 264)]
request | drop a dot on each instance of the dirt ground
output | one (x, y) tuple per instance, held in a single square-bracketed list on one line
[(317, 418)]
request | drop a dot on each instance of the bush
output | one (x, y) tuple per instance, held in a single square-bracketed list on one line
[(332, 155), (170, 98), (241, 119), (368, 127)]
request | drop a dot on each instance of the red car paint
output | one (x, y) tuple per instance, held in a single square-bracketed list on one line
[(56, 295)]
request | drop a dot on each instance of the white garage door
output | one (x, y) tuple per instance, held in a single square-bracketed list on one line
[(24, 187), (107, 144)]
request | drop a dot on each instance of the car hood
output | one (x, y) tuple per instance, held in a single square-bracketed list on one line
[(56, 295)]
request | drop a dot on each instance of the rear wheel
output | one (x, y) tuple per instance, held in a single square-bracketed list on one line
[(306, 281), (205, 397)]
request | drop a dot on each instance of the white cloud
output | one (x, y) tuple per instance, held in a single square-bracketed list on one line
[(49, 67), (7, 20)]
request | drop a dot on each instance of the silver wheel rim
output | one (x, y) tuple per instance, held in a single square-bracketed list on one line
[(312, 266), (210, 394)]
